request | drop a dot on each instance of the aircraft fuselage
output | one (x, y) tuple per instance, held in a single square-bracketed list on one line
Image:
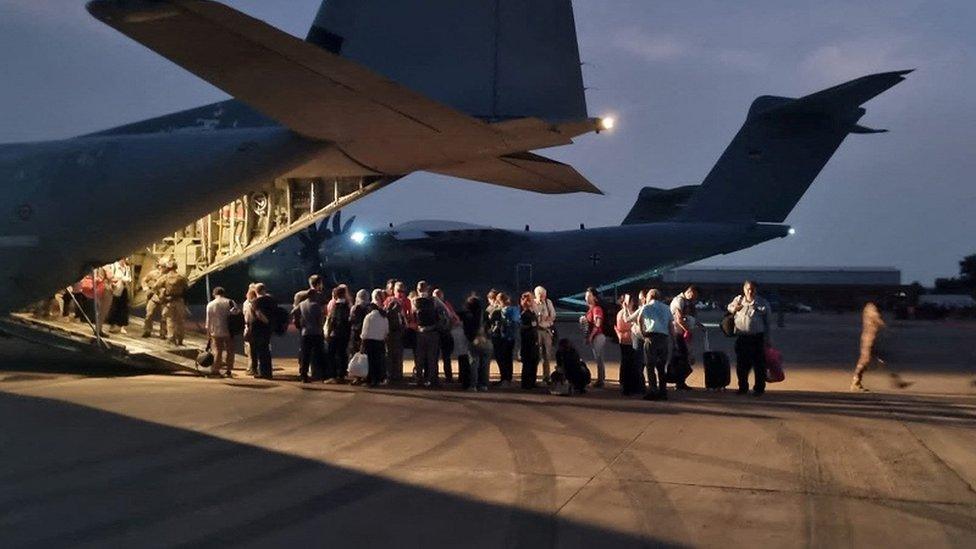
[(82, 202), (565, 262)]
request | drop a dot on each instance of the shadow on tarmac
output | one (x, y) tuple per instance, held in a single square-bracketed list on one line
[(75, 475), (914, 408), (30, 360)]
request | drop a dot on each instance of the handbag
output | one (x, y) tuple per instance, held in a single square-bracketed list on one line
[(205, 358), (728, 325), (774, 366), (358, 365)]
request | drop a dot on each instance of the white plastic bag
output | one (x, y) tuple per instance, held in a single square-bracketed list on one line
[(358, 365)]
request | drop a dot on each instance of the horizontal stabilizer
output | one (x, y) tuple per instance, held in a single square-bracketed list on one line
[(381, 125), (866, 130), (525, 171), (848, 96), (311, 91), (655, 205)]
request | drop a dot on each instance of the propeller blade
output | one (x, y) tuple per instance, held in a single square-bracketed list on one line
[(345, 228), (337, 223), (322, 232)]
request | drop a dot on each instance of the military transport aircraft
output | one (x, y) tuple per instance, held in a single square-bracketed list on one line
[(380, 89), (743, 201)]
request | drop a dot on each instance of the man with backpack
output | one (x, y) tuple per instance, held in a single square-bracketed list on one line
[(309, 315), (431, 320), (265, 311), (338, 331), (397, 308)]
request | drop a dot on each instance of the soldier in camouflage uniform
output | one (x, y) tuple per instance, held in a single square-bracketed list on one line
[(173, 286), (154, 301)]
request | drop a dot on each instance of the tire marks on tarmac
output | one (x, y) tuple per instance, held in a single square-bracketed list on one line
[(535, 475), (616, 454)]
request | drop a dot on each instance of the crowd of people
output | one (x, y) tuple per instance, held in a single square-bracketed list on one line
[(381, 324), (653, 338)]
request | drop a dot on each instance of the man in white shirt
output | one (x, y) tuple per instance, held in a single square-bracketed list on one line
[(546, 314), (218, 314), (683, 311)]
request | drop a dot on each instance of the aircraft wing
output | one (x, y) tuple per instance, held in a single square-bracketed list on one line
[(382, 125), (523, 170)]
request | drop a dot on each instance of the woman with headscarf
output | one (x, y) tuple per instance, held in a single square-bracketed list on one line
[(372, 334), (356, 317), (121, 277)]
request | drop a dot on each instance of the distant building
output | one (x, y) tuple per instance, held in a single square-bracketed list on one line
[(803, 276), (947, 301), (822, 288)]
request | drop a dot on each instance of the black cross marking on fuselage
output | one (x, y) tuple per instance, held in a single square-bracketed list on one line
[(595, 259)]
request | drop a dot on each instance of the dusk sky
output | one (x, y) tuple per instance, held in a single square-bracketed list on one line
[(679, 76)]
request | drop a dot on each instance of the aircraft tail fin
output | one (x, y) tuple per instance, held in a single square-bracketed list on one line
[(492, 59), (780, 150)]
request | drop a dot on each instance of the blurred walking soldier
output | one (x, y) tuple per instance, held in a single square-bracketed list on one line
[(154, 301), (173, 286), (872, 325)]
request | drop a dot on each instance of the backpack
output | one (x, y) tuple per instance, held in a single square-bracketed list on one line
[(584, 373), (235, 321), (497, 323), (280, 318), (427, 314), (394, 315), (610, 311), (339, 320)]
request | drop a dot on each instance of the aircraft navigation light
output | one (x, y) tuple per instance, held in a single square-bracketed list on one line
[(792, 231), (358, 237), (607, 123)]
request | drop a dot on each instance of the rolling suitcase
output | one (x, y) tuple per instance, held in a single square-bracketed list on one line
[(718, 371)]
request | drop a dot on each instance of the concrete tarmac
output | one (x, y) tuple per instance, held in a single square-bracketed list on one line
[(94, 455)]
